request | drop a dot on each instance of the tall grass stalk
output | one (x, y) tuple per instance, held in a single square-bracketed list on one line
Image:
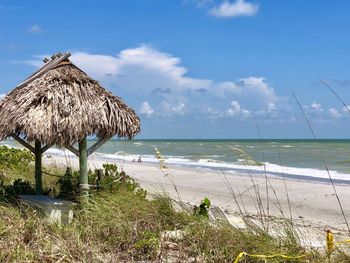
[(324, 163), (165, 170), (259, 207), (228, 185), (266, 179), (336, 94), (285, 185)]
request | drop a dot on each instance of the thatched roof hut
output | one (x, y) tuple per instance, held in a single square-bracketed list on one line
[(61, 105)]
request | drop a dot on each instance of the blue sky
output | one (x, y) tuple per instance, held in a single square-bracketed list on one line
[(196, 68)]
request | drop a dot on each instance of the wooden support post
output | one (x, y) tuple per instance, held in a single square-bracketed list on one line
[(38, 173), (84, 182)]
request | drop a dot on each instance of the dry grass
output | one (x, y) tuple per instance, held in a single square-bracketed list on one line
[(124, 227)]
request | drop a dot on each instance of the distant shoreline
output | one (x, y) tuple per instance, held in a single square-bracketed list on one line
[(299, 160)]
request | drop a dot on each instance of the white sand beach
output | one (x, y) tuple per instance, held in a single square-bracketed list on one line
[(313, 204)]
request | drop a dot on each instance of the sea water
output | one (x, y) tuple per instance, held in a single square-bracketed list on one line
[(300, 159)]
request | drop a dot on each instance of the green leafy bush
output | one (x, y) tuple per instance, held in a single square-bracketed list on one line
[(108, 178), (111, 179), (13, 157), (203, 209), (69, 185), (18, 187), (15, 163)]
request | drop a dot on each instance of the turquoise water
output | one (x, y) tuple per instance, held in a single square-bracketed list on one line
[(303, 158), (292, 153)]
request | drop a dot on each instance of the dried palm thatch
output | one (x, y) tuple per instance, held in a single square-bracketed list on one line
[(60, 104)]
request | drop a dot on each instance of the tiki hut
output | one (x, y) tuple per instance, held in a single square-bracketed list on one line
[(61, 105)]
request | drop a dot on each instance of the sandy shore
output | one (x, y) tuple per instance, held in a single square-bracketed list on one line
[(312, 203)]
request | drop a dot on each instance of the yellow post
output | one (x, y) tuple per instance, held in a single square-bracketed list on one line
[(330, 243)]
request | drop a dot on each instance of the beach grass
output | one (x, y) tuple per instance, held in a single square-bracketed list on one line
[(124, 225)]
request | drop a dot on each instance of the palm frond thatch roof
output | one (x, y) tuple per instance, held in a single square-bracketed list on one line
[(60, 104)]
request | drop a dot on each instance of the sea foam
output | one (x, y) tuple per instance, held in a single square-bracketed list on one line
[(241, 167)]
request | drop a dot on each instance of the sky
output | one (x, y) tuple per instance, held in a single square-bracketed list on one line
[(197, 69)]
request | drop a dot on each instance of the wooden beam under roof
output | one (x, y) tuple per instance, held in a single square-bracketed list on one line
[(45, 148), (73, 150), (23, 142), (97, 145)]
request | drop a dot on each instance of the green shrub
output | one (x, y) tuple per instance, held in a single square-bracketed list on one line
[(203, 209), (9, 193), (18, 187), (107, 179), (69, 185), (13, 157)]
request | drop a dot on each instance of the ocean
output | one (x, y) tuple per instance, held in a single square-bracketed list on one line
[(300, 159)]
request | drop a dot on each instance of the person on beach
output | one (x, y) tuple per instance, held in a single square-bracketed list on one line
[(139, 160)]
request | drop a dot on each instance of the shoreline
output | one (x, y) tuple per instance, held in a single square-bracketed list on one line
[(267, 169), (311, 201), (242, 172)]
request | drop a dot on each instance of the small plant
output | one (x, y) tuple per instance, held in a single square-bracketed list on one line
[(109, 179), (10, 193), (68, 185), (114, 180), (202, 210)]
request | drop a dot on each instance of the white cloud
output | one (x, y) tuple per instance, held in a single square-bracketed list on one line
[(2, 96), (235, 9), (259, 87), (147, 69), (316, 106), (146, 66), (178, 109), (227, 86), (253, 87), (211, 111), (334, 113), (236, 110), (148, 74), (271, 107), (146, 109), (144, 62), (99, 66), (35, 29)]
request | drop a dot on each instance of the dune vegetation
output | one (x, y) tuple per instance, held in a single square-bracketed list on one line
[(121, 222)]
